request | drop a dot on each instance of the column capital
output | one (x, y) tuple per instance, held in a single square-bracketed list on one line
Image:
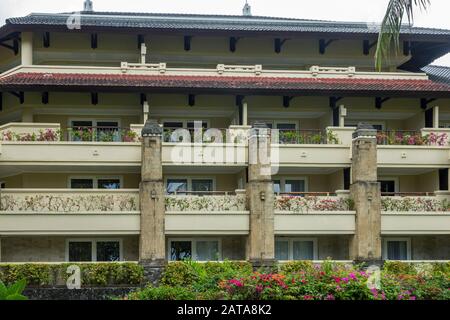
[(152, 129), (364, 130)]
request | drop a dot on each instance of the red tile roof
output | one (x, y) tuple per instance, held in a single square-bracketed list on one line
[(108, 82)]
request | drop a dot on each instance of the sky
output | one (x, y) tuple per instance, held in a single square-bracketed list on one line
[(371, 11)]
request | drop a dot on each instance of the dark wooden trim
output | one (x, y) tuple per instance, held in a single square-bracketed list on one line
[(140, 41), (46, 39), (233, 43), (287, 101), (187, 43), (323, 45), (379, 102), (45, 97), (94, 40), (19, 95), (278, 44), (424, 102), (191, 100), (94, 98), (367, 45)]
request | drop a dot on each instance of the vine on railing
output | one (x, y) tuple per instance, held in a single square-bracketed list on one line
[(411, 138), (205, 203), (76, 134), (68, 203), (307, 203), (414, 204)]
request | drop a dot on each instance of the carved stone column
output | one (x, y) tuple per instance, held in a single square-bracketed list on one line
[(152, 252), (365, 246), (260, 198)]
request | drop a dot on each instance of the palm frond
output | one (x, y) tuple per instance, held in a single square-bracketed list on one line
[(391, 27)]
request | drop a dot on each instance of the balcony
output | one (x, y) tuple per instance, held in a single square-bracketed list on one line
[(210, 213), (314, 213), (415, 213), (69, 211)]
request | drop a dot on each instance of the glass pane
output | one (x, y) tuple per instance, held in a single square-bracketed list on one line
[(303, 250), (286, 126), (397, 250), (81, 123), (294, 186), (207, 250), (108, 251), (190, 125), (81, 183), (276, 186), (202, 185), (282, 250), (177, 185), (173, 125), (180, 250), (80, 251), (387, 186), (108, 183)]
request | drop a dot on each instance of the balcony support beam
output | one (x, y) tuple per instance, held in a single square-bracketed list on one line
[(260, 198), (365, 245), (152, 252)]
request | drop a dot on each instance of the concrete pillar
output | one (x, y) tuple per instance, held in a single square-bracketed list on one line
[(244, 114), (146, 110), (365, 192), (27, 115), (27, 48), (436, 117), (342, 115), (152, 252), (260, 199)]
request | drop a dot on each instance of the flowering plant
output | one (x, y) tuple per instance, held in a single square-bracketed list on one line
[(299, 204), (415, 204)]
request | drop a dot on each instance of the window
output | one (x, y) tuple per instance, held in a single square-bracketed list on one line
[(183, 185), (93, 250), (389, 185), (95, 182), (287, 185), (397, 249), (195, 249), (184, 124), (295, 249)]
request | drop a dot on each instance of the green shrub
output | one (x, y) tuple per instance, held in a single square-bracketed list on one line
[(162, 293), (296, 266), (92, 274), (178, 274)]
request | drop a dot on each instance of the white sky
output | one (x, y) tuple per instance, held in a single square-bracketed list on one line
[(437, 16)]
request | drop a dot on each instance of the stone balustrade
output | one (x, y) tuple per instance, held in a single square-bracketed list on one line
[(68, 201), (207, 202)]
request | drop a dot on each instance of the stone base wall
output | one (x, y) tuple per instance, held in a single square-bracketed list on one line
[(81, 294), (430, 247)]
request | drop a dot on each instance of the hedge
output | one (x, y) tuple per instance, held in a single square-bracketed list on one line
[(92, 274), (299, 280)]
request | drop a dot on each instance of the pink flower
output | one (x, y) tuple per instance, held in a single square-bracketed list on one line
[(352, 276), (237, 283), (330, 297)]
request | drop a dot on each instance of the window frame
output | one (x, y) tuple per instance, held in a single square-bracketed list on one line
[(398, 239), (94, 181), (283, 179), (189, 181), (94, 121), (353, 123), (290, 241), (184, 122), (276, 122), (194, 247), (94, 247)]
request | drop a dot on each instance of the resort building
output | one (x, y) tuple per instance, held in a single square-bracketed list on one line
[(273, 162)]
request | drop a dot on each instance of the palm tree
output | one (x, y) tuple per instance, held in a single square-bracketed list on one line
[(391, 25)]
